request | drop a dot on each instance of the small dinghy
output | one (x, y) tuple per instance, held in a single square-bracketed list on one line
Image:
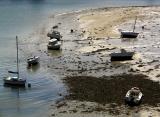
[(133, 96), (33, 60)]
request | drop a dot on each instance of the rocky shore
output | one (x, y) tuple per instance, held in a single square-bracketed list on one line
[(89, 37)]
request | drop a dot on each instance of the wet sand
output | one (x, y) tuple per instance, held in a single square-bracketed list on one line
[(86, 53)]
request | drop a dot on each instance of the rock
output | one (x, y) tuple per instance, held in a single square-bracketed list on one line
[(140, 65), (54, 27), (131, 70), (113, 105), (72, 31), (61, 104), (53, 115)]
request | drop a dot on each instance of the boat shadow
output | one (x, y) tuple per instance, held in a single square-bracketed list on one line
[(129, 39), (33, 68), (15, 87)]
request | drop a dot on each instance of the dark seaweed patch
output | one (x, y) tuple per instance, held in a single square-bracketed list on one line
[(112, 89)]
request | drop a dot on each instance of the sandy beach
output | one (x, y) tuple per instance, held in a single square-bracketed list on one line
[(84, 59)]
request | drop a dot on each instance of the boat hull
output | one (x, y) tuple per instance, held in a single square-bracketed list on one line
[(122, 56), (132, 102), (14, 82), (54, 47), (129, 35)]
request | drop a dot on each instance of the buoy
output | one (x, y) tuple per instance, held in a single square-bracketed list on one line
[(29, 85)]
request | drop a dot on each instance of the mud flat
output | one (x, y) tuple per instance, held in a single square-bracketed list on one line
[(84, 62), (91, 96)]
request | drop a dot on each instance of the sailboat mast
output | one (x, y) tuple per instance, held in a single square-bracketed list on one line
[(135, 24), (17, 57)]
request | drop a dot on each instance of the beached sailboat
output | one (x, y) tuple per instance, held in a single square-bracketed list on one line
[(130, 34), (122, 56), (15, 81)]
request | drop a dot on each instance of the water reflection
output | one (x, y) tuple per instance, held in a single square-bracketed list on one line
[(33, 68), (14, 87), (54, 53)]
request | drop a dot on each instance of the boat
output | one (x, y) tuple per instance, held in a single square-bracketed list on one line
[(53, 44), (130, 34), (33, 60), (133, 96), (54, 34), (15, 80), (122, 56)]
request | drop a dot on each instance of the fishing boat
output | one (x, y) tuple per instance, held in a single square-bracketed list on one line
[(122, 56), (33, 60), (54, 44), (133, 96), (15, 80), (130, 34), (54, 34)]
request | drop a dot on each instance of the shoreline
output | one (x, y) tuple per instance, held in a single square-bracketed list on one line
[(90, 57)]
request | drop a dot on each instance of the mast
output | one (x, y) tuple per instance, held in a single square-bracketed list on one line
[(17, 57), (135, 24)]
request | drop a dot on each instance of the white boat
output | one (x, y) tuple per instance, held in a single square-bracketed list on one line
[(15, 81), (53, 44), (133, 96), (53, 41), (33, 60)]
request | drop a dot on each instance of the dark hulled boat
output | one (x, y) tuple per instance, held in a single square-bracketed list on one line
[(130, 34), (122, 56)]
